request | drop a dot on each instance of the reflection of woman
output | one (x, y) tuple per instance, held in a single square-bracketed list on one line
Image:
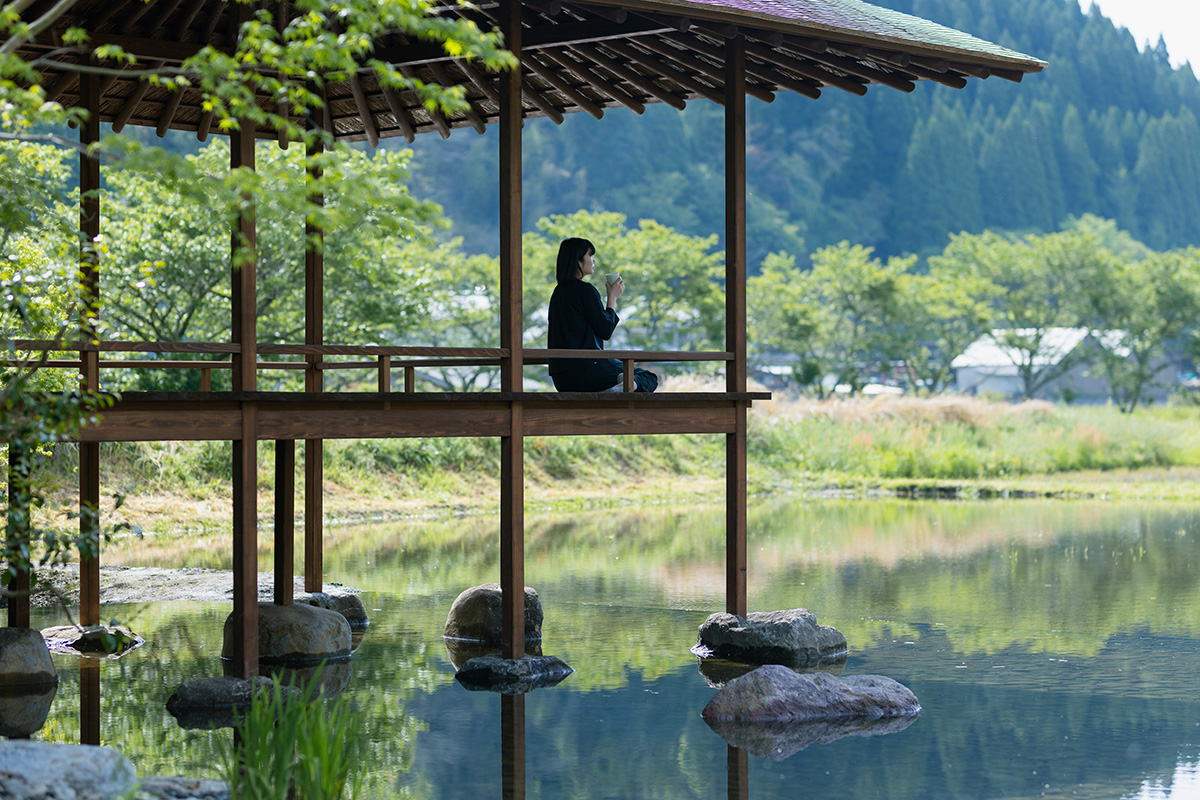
[(580, 321)]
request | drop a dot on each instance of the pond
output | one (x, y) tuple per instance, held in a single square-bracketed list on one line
[(1054, 646)]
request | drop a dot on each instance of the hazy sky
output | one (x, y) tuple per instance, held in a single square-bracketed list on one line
[(1178, 21)]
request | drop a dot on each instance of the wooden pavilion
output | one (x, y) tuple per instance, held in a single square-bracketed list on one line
[(575, 56)]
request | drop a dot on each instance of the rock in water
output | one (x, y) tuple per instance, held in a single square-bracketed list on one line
[(24, 659), (347, 603), (790, 637), (476, 613), (296, 634), (512, 675), (774, 693), (41, 770), (110, 640)]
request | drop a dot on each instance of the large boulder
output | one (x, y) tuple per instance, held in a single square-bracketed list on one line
[(791, 637), (159, 788), (493, 673), (45, 771), (24, 709), (295, 634), (476, 615), (25, 659), (774, 693)]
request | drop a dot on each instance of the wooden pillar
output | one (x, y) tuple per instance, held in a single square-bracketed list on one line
[(314, 333), (89, 357), (735, 321), (512, 746), (245, 449), (18, 528), (285, 511), (512, 447), (89, 701), (738, 773)]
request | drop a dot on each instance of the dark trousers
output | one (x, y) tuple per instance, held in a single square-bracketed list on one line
[(601, 375)]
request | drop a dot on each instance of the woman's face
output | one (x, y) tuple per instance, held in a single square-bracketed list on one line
[(587, 265)]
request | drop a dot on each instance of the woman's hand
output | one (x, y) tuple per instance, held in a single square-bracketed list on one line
[(615, 290)]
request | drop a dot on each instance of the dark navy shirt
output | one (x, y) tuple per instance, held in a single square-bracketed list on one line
[(578, 321)]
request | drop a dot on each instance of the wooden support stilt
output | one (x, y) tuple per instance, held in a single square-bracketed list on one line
[(89, 701), (89, 378), (18, 528), (285, 511), (738, 774), (512, 746), (512, 447), (314, 333), (735, 321), (245, 449)]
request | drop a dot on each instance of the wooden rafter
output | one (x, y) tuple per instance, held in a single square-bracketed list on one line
[(590, 76), (684, 58), (672, 73)]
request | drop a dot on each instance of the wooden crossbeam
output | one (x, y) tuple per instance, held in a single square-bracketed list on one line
[(670, 72), (552, 77), (584, 72), (631, 76), (713, 71)]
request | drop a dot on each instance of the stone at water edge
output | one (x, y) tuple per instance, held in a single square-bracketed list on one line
[(208, 703), (25, 659), (476, 615), (40, 770), (295, 634), (92, 641), (775, 693), (24, 709), (790, 637)]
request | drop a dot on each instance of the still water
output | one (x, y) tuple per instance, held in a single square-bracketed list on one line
[(1054, 646)]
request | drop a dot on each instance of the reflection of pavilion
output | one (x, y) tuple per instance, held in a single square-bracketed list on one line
[(575, 57)]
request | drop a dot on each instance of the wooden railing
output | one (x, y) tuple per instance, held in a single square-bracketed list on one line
[(384, 358)]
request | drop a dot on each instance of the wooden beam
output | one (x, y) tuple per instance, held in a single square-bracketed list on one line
[(168, 112), (17, 530), (544, 105), (631, 76), (735, 322), (763, 71), (285, 527), (512, 445), (167, 10), (435, 116), (582, 70), (512, 746), (364, 110), (713, 71), (948, 78), (612, 14), (631, 53), (89, 374), (245, 546), (134, 99), (404, 122), (801, 67), (314, 334), (850, 66), (481, 82), (186, 20), (471, 113), (242, 272), (89, 701), (573, 94)]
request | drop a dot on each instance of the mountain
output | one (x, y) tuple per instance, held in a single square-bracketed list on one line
[(1105, 129)]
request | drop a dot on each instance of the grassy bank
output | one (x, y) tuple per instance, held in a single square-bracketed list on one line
[(940, 446)]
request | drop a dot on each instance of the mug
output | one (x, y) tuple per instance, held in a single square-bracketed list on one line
[(611, 277)]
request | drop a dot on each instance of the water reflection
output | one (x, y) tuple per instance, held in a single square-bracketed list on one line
[(1054, 647)]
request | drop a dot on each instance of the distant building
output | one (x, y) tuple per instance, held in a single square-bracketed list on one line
[(987, 366)]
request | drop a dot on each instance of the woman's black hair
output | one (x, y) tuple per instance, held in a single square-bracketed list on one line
[(570, 254)]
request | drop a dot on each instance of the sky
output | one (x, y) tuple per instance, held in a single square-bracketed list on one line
[(1178, 21)]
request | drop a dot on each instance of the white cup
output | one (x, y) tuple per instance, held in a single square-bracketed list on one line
[(611, 277)]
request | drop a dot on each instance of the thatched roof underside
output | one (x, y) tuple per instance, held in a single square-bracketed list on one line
[(577, 57)]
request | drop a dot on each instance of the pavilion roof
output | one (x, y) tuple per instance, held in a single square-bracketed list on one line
[(576, 57)]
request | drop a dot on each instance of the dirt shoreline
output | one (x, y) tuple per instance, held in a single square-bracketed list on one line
[(156, 585)]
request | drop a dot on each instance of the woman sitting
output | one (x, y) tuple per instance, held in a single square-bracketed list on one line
[(580, 321)]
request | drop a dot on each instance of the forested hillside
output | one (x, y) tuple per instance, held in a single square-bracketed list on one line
[(1107, 129)]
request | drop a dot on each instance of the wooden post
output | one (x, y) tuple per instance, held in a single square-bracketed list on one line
[(627, 383), (314, 333), (512, 746), (735, 321), (385, 373), (89, 357), (18, 527), (410, 379), (738, 774), (245, 449), (285, 511), (89, 701), (512, 447)]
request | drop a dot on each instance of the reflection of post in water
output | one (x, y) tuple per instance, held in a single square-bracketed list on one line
[(512, 745), (739, 773), (89, 701)]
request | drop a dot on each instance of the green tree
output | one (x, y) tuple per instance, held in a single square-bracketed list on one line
[(861, 296), (1040, 281), (784, 318), (1136, 313)]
